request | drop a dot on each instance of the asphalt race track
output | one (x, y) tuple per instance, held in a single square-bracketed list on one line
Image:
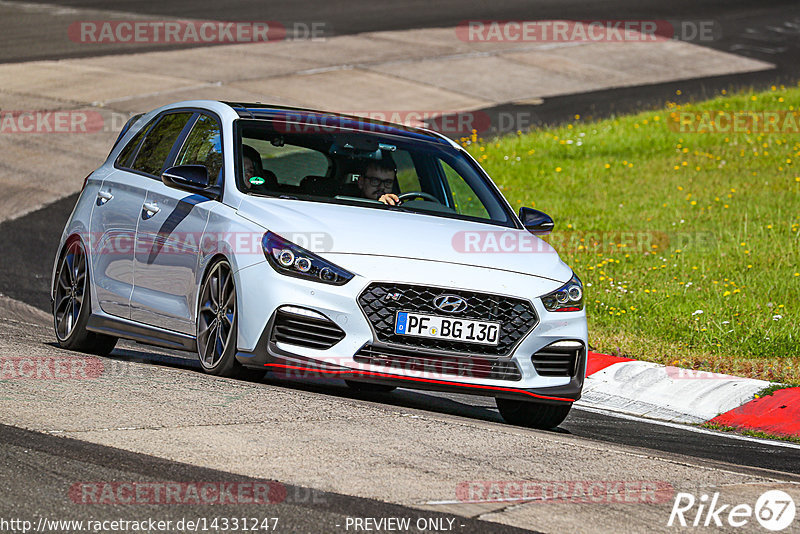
[(49, 461), (274, 429)]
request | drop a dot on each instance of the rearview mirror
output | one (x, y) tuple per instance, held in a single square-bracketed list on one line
[(535, 221), (190, 178)]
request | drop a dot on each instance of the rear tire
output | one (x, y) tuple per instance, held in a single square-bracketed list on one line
[(368, 387), (533, 414), (72, 304)]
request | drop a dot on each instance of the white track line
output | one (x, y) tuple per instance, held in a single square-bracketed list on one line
[(689, 428)]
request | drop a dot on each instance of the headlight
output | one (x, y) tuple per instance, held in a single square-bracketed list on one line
[(568, 297), (293, 260)]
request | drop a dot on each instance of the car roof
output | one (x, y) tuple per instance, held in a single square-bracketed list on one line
[(323, 118)]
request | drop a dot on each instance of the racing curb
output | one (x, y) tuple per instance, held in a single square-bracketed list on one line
[(685, 396)]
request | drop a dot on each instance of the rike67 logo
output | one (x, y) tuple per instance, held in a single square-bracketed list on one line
[(774, 510)]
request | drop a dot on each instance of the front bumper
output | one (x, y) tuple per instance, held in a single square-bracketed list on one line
[(422, 367)]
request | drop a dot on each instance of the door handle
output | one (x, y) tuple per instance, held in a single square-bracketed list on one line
[(103, 197), (149, 209)]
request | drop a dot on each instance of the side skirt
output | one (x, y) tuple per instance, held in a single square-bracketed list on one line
[(151, 335)]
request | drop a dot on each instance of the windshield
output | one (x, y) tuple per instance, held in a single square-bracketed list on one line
[(358, 168)]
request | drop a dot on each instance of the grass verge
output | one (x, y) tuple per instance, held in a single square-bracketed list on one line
[(687, 241), (751, 433)]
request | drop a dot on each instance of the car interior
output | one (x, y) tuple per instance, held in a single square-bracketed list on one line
[(327, 166)]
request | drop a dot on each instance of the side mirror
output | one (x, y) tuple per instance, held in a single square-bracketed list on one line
[(535, 221), (190, 178)]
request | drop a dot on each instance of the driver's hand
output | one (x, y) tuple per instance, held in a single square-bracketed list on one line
[(390, 199)]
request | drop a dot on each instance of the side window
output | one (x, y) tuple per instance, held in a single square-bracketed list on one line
[(407, 177), (203, 146), (158, 143), (124, 159), (465, 199)]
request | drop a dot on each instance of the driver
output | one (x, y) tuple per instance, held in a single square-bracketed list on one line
[(378, 180)]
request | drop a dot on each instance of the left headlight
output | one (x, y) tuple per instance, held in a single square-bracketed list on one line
[(568, 297), (293, 260)]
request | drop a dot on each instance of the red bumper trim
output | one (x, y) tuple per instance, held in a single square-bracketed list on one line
[(426, 380)]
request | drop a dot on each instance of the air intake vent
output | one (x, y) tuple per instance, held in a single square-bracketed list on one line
[(305, 331), (561, 358), (420, 361)]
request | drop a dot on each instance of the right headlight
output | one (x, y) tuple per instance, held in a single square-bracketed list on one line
[(568, 297), (293, 260)]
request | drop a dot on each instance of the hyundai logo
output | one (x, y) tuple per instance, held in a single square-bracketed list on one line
[(450, 303)]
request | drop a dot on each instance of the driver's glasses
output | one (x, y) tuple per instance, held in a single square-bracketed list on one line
[(375, 182)]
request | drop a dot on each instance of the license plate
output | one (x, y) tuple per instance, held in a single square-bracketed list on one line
[(431, 326)]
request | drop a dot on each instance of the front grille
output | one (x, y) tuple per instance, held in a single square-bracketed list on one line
[(417, 361), (559, 359), (311, 332), (516, 316)]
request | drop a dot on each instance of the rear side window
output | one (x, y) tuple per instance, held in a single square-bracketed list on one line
[(125, 157), (125, 128), (203, 146), (158, 143)]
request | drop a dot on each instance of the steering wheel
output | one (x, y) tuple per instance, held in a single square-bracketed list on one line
[(418, 194)]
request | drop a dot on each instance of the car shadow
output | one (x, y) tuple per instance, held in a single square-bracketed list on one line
[(475, 407)]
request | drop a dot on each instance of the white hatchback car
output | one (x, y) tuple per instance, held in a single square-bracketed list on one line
[(315, 244)]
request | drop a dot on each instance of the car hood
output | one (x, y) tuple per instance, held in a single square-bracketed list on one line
[(332, 228)]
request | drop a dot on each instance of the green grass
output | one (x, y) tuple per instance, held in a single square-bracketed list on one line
[(688, 243), (772, 388), (751, 433)]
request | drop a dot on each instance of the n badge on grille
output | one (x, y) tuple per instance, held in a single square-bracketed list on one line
[(392, 296)]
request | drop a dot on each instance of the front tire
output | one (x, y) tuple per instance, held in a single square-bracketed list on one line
[(533, 414), (217, 323), (72, 304)]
